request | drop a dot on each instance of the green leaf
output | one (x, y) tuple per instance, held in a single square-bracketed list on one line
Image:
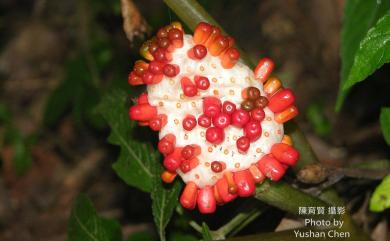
[(165, 199), (21, 160), (137, 160), (385, 124), (359, 17), (178, 236), (77, 93), (315, 115), (85, 224), (380, 199), (141, 236), (373, 52), (206, 232)]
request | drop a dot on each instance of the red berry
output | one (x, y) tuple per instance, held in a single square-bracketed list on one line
[(221, 120), (163, 42), (167, 144), (189, 151), (172, 161), (211, 106), (155, 124), (176, 37), (189, 196), (142, 112), (271, 168), (185, 166), (189, 122), (215, 135), (285, 154), (252, 130), (160, 55), (189, 88), (228, 107), (143, 99), (204, 121), (148, 77), (206, 200), (243, 144), (216, 166), (202, 82), (281, 100), (240, 117), (200, 51), (258, 114), (156, 67), (171, 70), (245, 183)]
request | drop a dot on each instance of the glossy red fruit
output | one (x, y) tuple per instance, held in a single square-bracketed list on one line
[(143, 99), (211, 106), (221, 120), (240, 118), (223, 190), (220, 44), (156, 67), (148, 77), (171, 70), (200, 51), (176, 37), (252, 130), (202, 33), (204, 121), (271, 167), (281, 100), (228, 107), (245, 183), (284, 153), (188, 87), (188, 165), (143, 112), (202, 82), (190, 151), (189, 122), (286, 115), (189, 195), (157, 122), (206, 200), (243, 143), (216, 166), (167, 144), (264, 69), (257, 175), (134, 79), (258, 114), (229, 58), (172, 161), (215, 135), (168, 177), (160, 55)]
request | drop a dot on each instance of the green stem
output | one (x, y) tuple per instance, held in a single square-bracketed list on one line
[(248, 213)]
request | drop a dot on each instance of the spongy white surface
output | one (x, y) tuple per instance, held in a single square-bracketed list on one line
[(225, 84)]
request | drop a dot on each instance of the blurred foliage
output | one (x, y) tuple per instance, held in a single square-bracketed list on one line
[(206, 232), (385, 123), (380, 199), (141, 236), (20, 144), (356, 43), (85, 224), (316, 117)]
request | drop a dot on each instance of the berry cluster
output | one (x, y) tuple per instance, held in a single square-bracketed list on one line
[(220, 123)]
